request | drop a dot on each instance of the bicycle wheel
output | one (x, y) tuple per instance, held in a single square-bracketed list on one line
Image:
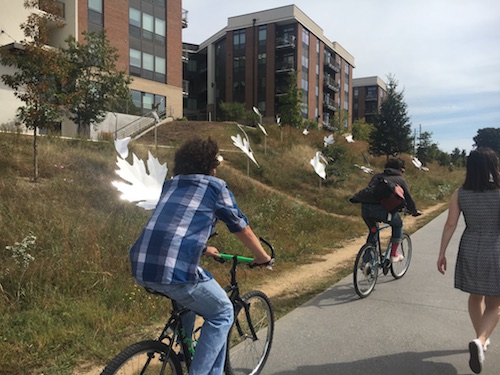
[(145, 358), (365, 271), (245, 354), (399, 269)]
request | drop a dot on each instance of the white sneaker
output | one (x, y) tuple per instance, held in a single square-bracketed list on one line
[(486, 344), (476, 356), (398, 258)]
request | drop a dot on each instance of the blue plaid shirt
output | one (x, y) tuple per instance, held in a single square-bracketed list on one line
[(169, 248)]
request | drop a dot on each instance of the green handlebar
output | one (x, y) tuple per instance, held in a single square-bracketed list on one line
[(239, 258)]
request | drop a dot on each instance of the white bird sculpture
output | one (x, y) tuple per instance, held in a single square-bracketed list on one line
[(417, 163), (319, 164), (364, 169), (139, 186), (348, 138), (328, 140)]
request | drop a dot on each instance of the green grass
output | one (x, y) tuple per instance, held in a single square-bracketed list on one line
[(74, 302)]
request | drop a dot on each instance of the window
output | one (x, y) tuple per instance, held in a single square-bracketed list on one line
[(159, 31), (135, 58), (262, 36), (134, 17), (239, 41), (96, 16), (144, 101), (147, 26)]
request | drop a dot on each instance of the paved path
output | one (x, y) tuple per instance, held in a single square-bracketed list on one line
[(416, 325)]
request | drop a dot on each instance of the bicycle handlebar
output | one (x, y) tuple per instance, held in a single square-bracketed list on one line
[(240, 259)]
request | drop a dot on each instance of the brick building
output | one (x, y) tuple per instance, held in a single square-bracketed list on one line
[(250, 60), (146, 33), (368, 94)]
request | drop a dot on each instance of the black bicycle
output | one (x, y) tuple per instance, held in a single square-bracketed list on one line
[(249, 340), (372, 258)]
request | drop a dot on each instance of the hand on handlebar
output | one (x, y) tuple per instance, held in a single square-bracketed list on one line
[(212, 251)]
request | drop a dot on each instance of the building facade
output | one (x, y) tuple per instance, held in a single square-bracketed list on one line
[(146, 33), (251, 59), (368, 94)]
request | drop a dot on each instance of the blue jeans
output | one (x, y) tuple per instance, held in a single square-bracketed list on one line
[(211, 302), (375, 213)]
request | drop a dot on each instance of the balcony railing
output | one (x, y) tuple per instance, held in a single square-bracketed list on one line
[(332, 64), (331, 84), (185, 88), (184, 18), (287, 41), (330, 104), (285, 66)]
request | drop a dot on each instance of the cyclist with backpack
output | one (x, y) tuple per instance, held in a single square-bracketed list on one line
[(373, 210)]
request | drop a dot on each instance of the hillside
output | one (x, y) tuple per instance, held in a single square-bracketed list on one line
[(71, 288)]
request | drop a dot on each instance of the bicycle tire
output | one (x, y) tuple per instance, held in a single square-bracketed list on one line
[(147, 356), (365, 272), (399, 269), (246, 356)]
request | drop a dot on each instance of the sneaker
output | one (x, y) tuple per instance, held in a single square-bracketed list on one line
[(486, 344), (476, 356), (397, 258)]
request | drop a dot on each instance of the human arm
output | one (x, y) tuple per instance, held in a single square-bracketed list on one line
[(448, 230), (250, 240)]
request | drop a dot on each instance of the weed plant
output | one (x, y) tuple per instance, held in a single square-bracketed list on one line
[(67, 297)]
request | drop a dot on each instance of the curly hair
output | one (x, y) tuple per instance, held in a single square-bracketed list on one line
[(196, 156), (482, 170), (395, 163)]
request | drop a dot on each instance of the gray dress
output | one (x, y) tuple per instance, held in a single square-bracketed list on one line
[(478, 262)]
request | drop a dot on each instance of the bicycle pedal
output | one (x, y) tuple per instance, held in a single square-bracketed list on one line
[(385, 267)]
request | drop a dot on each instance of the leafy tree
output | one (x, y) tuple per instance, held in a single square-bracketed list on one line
[(458, 157), (38, 72), (93, 86), (290, 103), (340, 121), (488, 137), (392, 127), (361, 130), (443, 158), (427, 151)]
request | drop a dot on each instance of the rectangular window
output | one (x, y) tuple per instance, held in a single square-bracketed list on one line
[(159, 65), (135, 58), (134, 17), (160, 31), (95, 5), (147, 26)]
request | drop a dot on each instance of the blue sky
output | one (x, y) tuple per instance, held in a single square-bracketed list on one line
[(445, 54)]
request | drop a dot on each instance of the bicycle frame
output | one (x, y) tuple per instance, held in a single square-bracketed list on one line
[(382, 256)]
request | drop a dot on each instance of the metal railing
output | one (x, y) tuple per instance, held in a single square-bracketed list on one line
[(140, 125)]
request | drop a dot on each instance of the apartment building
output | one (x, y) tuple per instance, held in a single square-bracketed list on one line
[(250, 60), (146, 33), (368, 94)]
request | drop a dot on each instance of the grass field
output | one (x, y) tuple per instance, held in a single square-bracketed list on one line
[(66, 293)]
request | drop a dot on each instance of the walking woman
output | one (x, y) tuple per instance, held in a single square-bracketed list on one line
[(477, 270)]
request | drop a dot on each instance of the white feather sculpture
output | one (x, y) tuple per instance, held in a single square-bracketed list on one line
[(244, 145), (348, 138), (139, 186), (328, 140), (417, 163)]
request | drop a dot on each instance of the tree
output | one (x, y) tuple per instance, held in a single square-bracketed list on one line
[(488, 137), (291, 102), (458, 157), (361, 130), (93, 86), (39, 71), (340, 121), (427, 151), (392, 127)]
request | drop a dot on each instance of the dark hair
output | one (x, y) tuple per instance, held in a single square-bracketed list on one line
[(196, 156), (482, 170), (395, 163)]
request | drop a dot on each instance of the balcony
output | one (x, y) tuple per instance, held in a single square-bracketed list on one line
[(185, 88), (331, 84), (287, 41), (370, 97), (281, 90), (330, 104), (332, 64), (285, 67), (184, 18), (54, 13)]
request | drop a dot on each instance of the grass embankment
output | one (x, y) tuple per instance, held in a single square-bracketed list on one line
[(68, 298)]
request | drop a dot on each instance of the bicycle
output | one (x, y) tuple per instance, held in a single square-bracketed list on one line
[(249, 340), (370, 260)]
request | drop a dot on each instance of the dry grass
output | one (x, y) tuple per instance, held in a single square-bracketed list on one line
[(74, 301)]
